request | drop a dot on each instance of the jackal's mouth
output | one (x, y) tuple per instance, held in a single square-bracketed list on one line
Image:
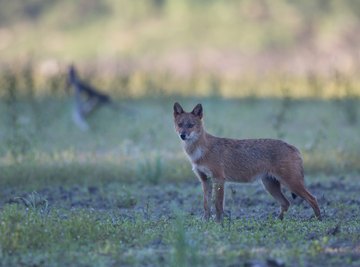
[(189, 137)]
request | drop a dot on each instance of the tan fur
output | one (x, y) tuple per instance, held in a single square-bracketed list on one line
[(217, 160)]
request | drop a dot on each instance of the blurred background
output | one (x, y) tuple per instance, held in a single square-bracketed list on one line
[(92, 172), (170, 43), (281, 69)]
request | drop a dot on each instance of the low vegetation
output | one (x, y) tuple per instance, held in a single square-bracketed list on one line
[(140, 225), (123, 192)]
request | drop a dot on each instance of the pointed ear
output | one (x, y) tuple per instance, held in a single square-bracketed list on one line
[(177, 109), (198, 111)]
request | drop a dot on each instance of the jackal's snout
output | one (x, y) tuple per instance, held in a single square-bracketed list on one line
[(183, 136)]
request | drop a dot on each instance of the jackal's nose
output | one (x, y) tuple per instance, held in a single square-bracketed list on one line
[(182, 136)]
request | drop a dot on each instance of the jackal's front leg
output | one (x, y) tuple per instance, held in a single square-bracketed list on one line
[(207, 190), (219, 201)]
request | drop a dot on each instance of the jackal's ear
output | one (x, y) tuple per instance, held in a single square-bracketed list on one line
[(177, 109), (198, 111)]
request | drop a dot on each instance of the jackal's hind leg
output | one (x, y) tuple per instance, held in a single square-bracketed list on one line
[(274, 188)]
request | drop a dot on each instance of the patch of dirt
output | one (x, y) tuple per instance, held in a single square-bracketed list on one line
[(156, 201)]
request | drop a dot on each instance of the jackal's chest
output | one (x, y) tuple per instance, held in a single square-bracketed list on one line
[(195, 155)]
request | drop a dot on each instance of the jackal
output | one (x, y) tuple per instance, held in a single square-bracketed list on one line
[(218, 160)]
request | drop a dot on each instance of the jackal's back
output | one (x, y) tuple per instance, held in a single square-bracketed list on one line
[(248, 158)]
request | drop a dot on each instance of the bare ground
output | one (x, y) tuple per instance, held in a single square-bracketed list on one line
[(156, 201)]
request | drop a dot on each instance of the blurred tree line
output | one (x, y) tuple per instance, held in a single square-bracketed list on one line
[(19, 10)]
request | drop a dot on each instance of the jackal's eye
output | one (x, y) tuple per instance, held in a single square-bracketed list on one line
[(180, 125), (190, 125)]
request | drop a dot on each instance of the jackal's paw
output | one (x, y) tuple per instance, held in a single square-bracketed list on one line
[(318, 217), (206, 217), (219, 218)]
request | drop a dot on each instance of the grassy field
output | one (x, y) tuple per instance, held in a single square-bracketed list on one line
[(146, 225), (123, 193)]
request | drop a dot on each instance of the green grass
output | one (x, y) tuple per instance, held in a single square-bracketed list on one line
[(139, 142), (56, 236), (123, 193)]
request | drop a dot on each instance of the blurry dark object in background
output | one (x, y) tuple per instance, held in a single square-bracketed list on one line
[(87, 98)]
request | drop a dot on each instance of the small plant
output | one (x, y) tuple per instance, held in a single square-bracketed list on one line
[(350, 106), (150, 170), (27, 74), (34, 201), (318, 246), (349, 102), (318, 139), (126, 200), (184, 253), (315, 85), (22, 114), (16, 141), (180, 246), (56, 83), (281, 116), (214, 86)]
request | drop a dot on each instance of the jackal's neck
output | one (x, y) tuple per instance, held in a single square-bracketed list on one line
[(200, 143)]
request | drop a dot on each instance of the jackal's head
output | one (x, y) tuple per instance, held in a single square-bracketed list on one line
[(188, 124)]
